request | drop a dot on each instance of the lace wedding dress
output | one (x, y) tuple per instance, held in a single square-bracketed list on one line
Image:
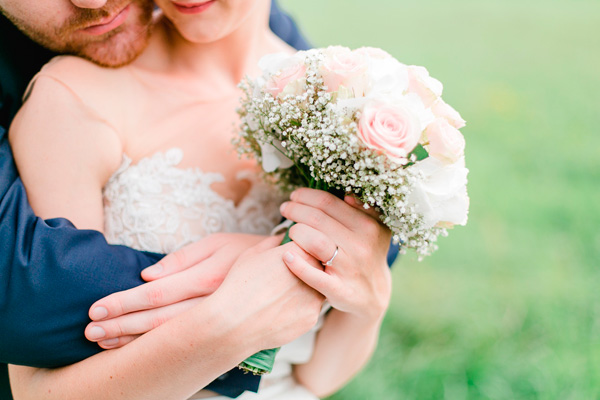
[(155, 206)]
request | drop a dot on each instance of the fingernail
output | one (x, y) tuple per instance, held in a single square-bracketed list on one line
[(283, 206), (288, 257), (293, 195), (153, 270), (96, 333), (98, 313), (109, 342)]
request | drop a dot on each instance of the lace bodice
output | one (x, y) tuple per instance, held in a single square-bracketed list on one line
[(155, 206)]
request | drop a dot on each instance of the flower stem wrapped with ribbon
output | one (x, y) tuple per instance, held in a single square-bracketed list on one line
[(360, 122)]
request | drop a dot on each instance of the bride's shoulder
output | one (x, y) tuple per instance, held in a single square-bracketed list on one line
[(71, 79), (76, 71), (277, 45)]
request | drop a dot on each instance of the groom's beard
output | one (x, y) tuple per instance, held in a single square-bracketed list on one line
[(115, 48)]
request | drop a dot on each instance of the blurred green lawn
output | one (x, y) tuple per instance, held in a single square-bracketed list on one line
[(509, 306)]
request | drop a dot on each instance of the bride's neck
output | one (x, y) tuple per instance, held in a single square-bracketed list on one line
[(226, 60)]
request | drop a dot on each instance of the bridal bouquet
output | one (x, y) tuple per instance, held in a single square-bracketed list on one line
[(360, 122)]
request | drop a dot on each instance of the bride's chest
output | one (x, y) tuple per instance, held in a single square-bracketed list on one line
[(155, 205), (203, 129)]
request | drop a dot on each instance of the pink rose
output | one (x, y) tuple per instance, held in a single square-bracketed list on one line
[(428, 88), (392, 128), (373, 52), (442, 110), (446, 143), (283, 81), (343, 67)]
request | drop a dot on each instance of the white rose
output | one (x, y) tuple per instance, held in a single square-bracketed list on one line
[(419, 81), (441, 197), (273, 156), (388, 77)]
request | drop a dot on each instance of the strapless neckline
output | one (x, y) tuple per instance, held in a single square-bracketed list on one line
[(154, 205)]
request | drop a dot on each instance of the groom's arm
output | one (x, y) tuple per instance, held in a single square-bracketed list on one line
[(285, 27), (50, 273)]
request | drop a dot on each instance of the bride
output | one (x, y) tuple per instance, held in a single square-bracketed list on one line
[(143, 154)]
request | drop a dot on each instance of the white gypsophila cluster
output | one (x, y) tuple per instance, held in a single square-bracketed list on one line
[(305, 134)]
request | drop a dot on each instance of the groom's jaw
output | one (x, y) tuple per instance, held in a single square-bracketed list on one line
[(112, 35)]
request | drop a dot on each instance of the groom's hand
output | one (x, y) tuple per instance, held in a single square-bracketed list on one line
[(176, 283)]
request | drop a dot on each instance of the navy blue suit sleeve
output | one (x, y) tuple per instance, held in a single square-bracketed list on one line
[(284, 26), (50, 274)]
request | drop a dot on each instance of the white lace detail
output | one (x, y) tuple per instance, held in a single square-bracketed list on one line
[(155, 206)]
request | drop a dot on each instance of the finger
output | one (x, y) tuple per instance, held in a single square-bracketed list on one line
[(313, 242), (136, 323), (117, 342), (204, 279), (359, 205), (183, 258), (329, 204), (315, 218), (314, 277)]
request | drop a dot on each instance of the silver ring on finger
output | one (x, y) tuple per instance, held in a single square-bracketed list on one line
[(329, 262)]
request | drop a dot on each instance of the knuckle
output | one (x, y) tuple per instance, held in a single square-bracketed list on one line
[(315, 218), (206, 283), (154, 297), (116, 304), (114, 330), (157, 321), (324, 200), (370, 227), (321, 248), (180, 257)]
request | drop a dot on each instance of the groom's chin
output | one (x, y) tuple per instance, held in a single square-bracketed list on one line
[(120, 49)]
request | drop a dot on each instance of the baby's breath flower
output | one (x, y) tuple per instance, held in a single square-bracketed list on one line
[(321, 137)]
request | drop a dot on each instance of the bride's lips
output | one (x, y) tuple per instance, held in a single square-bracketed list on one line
[(109, 23), (193, 8)]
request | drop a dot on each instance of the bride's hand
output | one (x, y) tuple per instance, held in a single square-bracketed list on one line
[(358, 280), (177, 283)]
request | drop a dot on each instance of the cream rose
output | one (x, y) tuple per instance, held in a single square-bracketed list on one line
[(443, 110), (441, 196), (288, 81), (392, 127), (343, 67), (445, 141), (428, 88), (282, 73)]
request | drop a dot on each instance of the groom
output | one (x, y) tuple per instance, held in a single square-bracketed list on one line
[(50, 273)]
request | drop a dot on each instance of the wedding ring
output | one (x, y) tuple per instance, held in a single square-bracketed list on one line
[(329, 263)]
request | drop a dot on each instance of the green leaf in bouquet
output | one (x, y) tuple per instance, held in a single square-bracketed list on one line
[(419, 152), (260, 363)]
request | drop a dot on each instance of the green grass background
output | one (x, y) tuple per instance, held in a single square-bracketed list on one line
[(509, 306)]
